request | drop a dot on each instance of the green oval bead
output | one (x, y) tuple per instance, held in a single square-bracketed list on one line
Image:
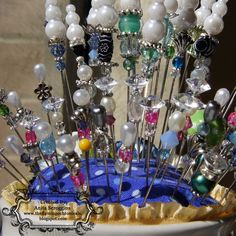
[(4, 110), (129, 23), (170, 52), (201, 184), (217, 132), (150, 53), (129, 64)]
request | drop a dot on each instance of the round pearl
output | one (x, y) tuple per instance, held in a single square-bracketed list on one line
[(121, 167), (92, 17), (198, 73), (40, 72), (74, 32), (109, 103), (66, 144), (14, 144), (57, 117), (14, 99), (85, 145), (128, 134), (219, 8), (157, 11), (213, 24), (50, 2), (171, 6), (70, 8), (55, 29), (202, 13), (153, 31), (42, 130), (130, 4), (222, 96), (84, 72), (107, 16), (53, 13), (193, 4), (176, 121), (207, 3), (72, 18), (81, 97), (99, 3)]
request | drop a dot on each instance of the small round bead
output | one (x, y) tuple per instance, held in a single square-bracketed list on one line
[(202, 13), (193, 4), (84, 72), (70, 8), (92, 17), (207, 3), (81, 97), (109, 104), (171, 6), (75, 32), (99, 3), (40, 72), (130, 4), (55, 29), (14, 99), (42, 130), (213, 24), (222, 96), (107, 16), (176, 121), (85, 144), (219, 8), (57, 117), (66, 143), (72, 18), (53, 13), (157, 11)]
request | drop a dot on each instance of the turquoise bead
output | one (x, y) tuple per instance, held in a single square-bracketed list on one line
[(48, 145), (201, 184), (129, 23), (232, 138), (150, 54)]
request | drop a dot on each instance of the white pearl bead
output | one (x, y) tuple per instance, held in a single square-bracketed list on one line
[(92, 18), (99, 3), (130, 4), (153, 31), (50, 2), (14, 144), (202, 13), (213, 24), (42, 130), (55, 29), (107, 16), (171, 6), (14, 99), (207, 3), (128, 133), (70, 8), (40, 72), (57, 117), (222, 96), (219, 8), (157, 11), (72, 18), (190, 4), (81, 97), (176, 121), (75, 32), (66, 144), (84, 72), (198, 73), (109, 103), (53, 13)]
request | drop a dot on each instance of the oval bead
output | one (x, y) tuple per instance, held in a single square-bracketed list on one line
[(129, 23)]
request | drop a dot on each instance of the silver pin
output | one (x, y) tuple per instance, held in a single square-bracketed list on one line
[(87, 170), (227, 107), (120, 188)]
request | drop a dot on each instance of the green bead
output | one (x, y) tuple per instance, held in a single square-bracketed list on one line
[(199, 160), (129, 64), (197, 118), (4, 110), (129, 23), (150, 53), (217, 132), (201, 184), (170, 52)]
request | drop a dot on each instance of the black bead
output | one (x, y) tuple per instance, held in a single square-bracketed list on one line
[(105, 48)]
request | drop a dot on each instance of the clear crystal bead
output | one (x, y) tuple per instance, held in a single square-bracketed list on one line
[(135, 111), (29, 120), (106, 84), (152, 102), (198, 86), (53, 104), (136, 81)]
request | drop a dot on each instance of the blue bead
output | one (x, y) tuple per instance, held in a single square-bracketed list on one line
[(94, 41), (60, 65), (48, 145), (232, 138), (169, 139), (203, 129), (178, 62), (165, 154), (82, 125), (93, 54), (58, 50)]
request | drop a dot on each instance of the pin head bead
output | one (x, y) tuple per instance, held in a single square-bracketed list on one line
[(232, 119), (85, 145), (178, 62), (4, 110)]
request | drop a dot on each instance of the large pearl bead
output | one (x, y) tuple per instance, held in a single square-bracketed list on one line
[(84, 72), (99, 3), (55, 29), (40, 72), (171, 6), (107, 16), (14, 99), (157, 11), (72, 18), (50, 2), (219, 8), (130, 4), (121, 167), (42, 130), (109, 104), (57, 117), (66, 143), (14, 144), (48, 145), (128, 133), (92, 17), (81, 97), (222, 96), (153, 31), (213, 24), (193, 4), (53, 13), (70, 8), (207, 3), (74, 32), (176, 121), (202, 13)]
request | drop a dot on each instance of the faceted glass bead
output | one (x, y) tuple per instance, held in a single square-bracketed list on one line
[(48, 145), (93, 54), (78, 180), (106, 84), (4, 110), (129, 23), (53, 103), (197, 85), (169, 139), (150, 53), (60, 65), (110, 119), (126, 154), (170, 52), (129, 64), (94, 41), (232, 138), (58, 50), (25, 158), (232, 119), (178, 62), (151, 117), (30, 136), (135, 111), (201, 184)]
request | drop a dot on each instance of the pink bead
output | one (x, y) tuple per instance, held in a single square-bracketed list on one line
[(78, 180), (232, 119), (151, 117), (180, 135), (84, 133), (188, 124), (30, 136), (110, 119), (125, 154)]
